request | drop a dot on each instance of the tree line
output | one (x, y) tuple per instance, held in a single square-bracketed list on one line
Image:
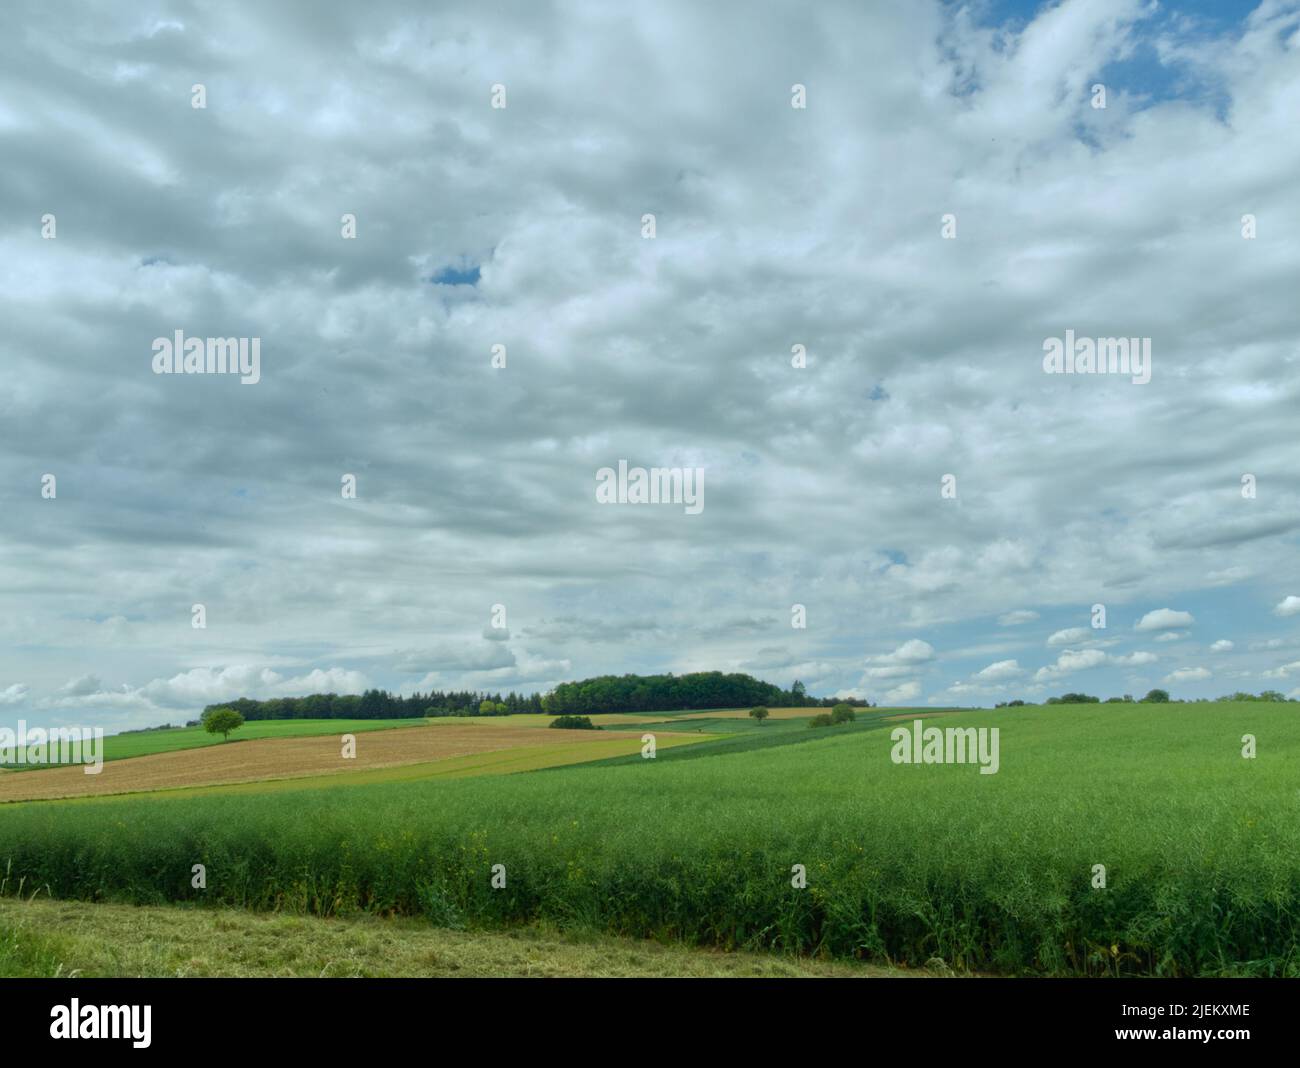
[(1153, 697), (606, 693), (672, 693), (380, 704)]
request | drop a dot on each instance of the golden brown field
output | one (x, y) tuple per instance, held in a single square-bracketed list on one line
[(288, 758)]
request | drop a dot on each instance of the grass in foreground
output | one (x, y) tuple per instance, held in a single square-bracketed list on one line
[(50, 939)]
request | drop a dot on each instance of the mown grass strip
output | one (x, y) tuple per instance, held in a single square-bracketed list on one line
[(54, 939)]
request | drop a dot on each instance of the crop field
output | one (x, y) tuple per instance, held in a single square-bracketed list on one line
[(143, 743), (904, 863), (312, 755)]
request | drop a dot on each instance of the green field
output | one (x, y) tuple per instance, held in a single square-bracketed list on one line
[(904, 863), (143, 743)]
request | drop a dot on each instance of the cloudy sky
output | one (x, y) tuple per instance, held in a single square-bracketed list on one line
[(524, 226)]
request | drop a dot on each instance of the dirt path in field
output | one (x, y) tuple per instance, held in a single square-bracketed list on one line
[(283, 758)]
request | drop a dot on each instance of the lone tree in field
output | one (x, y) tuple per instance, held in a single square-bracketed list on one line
[(843, 713), (1156, 697), (222, 721), (760, 713)]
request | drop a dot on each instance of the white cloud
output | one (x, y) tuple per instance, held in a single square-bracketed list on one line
[(1195, 674), (905, 660), (1070, 636), (1289, 606), (1223, 645), (1016, 618), (1003, 669), (191, 690), (1135, 659), (1070, 661), (1164, 619), (13, 694), (1272, 644), (913, 651), (899, 695)]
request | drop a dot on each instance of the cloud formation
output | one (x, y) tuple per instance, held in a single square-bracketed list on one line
[(521, 227)]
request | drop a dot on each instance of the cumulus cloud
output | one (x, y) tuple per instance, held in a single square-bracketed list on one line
[(1223, 645), (202, 686), (905, 660), (1288, 606), (1134, 659), (1070, 661), (1164, 619), (899, 695), (1070, 636), (1003, 669), (1194, 674), (912, 651)]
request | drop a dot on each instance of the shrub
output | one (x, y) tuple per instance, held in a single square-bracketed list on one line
[(574, 723), (822, 719), (760, 713), (843, 713)]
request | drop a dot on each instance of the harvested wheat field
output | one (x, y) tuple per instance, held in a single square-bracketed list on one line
[(289, 758)]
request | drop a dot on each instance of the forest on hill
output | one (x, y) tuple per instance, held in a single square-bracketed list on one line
[(605, 693)]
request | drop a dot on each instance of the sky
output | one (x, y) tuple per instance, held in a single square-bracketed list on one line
[(944, 511)]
